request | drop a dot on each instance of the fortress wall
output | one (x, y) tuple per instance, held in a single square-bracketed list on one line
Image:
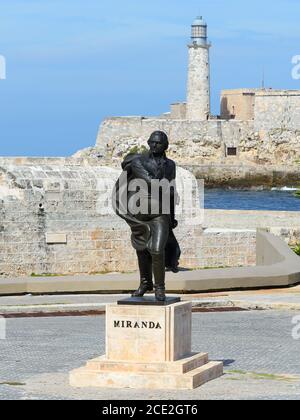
[(237, 103), (204, 142), (55, 218), (277, 110), (240, 175), (280, 146), (285, 224), (199, 141)]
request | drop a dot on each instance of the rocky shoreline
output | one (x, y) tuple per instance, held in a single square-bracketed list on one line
[(218, 175), (246, 177)]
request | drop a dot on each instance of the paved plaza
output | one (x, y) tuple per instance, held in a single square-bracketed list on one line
[(260, 356)]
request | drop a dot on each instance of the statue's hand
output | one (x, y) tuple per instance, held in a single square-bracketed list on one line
[(174, 224)]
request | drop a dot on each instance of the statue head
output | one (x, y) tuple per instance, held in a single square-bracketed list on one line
[(158, 142)]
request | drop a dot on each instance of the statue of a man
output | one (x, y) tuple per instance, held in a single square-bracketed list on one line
[(153, 223)]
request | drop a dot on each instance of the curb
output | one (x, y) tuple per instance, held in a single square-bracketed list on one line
[(99, 308)]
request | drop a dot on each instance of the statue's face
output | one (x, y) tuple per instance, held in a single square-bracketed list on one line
[(157, 144)]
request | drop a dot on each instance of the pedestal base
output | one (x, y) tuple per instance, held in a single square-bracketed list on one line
[(148, 300), (187, 373), (148, 347)]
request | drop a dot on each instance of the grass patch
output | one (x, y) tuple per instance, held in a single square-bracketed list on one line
[(239, 372), (137, 150), (96, 273), (12, 383), (42, 304), (93, 273), (269, 376), (212, 268), (297, 193), (296, 249), (204, 268), (263, 376), (47, 275)]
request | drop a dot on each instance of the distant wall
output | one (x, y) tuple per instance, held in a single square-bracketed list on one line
[(199, 141), (277, 266), (203, 142), (237, 104), (277, 110), (54, 219), (270, 109), (285, 224), (178, 111), (241, 175)]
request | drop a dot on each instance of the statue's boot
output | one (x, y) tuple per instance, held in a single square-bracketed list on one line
[(145, 267), (158, 267)]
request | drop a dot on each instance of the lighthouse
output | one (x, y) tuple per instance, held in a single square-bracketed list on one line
[(198, 89)]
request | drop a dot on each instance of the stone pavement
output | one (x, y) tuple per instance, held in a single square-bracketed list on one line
[(281, 299), (261, 357)]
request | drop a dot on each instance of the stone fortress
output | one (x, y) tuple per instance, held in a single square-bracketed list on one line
[(54, 218), (254, 141)]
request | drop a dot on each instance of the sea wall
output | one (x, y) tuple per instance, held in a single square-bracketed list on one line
[(204, 142), (190, 141), (55, 219), (245, 175)]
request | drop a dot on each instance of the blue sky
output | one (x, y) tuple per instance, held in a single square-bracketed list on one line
[(72, 63)]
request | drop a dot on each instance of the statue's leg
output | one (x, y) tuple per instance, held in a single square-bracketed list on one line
[(158, 266), (159, 236), (145, 267)]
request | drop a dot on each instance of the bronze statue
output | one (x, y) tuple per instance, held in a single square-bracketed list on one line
[(152, 231)]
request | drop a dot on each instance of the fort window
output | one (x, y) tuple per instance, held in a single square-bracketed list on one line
[(231, 151)]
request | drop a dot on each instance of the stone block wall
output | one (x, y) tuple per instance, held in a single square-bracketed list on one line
[(203, 142), (190, 141), (228, 248), (291, 235), (277, 109), (238, 104), (55, 219), (178, 111), (52, 219)]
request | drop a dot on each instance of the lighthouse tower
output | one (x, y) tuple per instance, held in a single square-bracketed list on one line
[(198, 90)]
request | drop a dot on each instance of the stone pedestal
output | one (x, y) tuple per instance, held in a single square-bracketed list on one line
[(148, 347)]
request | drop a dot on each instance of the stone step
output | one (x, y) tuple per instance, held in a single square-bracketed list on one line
[(85, 377), (206, 373), (187, 364)]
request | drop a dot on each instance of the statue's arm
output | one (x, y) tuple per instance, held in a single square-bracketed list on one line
[(139, 171)]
